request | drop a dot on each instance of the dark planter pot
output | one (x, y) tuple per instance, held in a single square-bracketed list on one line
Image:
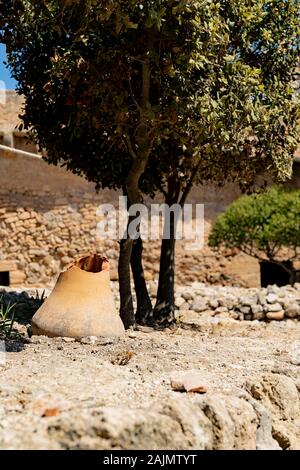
[(273, 273)]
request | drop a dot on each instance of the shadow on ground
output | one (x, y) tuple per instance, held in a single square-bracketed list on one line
[(25, 305)]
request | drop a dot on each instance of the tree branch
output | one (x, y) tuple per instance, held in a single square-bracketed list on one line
[(189, 184), (132, 94), (130, 147)]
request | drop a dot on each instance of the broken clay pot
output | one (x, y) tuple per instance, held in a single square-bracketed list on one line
[(81, 303)]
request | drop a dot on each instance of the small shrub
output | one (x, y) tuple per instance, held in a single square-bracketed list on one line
[(265, 226), (7, 317)]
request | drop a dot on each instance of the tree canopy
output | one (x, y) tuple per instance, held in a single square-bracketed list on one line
[(219, 84)]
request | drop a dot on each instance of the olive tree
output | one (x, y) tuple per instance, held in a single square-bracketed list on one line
[(104, 82), (247, 114)]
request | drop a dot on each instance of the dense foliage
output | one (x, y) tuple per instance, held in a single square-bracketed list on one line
[(219, 84)]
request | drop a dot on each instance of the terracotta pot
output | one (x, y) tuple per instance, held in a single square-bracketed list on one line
[(81, 303)]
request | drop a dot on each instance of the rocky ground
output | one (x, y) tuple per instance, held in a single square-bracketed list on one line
[(238, 303), (102, 393)]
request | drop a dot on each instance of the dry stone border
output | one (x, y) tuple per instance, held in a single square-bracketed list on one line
[(196, 301), (264, 304)]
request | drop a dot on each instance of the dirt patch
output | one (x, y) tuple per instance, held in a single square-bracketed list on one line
[(63, 394)]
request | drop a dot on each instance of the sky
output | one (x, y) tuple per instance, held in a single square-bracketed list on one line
[(5, 77)]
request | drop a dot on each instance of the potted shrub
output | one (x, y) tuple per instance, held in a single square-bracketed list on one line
[(266, 226)]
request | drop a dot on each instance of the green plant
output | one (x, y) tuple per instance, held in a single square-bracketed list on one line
[(7, 317), (265, 226)]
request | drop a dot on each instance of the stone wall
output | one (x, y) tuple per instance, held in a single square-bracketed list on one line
[(48, 217)]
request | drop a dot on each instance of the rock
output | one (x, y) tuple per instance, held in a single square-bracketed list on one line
[(278, 393), (234, 315), (184, 306), (37, 252), (132, 335), (67, 340), (193, 382), (188, 295), (177, 384), (297, 286), (179, 301), (109, 428), (190, 381), (258, 312), (244, 309), (39, 339), (273, 289), (213, 303), (258, 316), (153, 289), (34, 267), (248, 301), (122, 358), (199, 305), (196, 426), (234, 422), (274, 307), (189, 316), (221, 310), (261, 298), (264, 438), (148, 276), (223, 315), (275, 315), (292, 310), (66, 260), (228, 303), (256, 309), (48, 260), (24, 216), (111, 254), (89, 340), (272, 298)]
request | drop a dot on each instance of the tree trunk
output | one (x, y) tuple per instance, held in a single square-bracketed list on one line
[(144, 306), (165, 302), (140, 153), (126, 303), (126, 245)]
